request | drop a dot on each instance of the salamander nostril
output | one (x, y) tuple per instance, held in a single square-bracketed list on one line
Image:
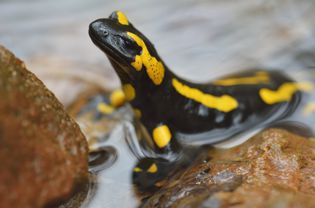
[(105, 33)]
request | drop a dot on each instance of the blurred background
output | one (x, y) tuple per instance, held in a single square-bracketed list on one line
[(198, 39)]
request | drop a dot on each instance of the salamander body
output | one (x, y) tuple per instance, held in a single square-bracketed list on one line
[(172, 108)]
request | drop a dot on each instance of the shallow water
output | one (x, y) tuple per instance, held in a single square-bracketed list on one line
[(116, 150)]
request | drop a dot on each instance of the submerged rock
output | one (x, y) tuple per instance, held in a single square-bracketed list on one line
[(276, 168), (42, 150)]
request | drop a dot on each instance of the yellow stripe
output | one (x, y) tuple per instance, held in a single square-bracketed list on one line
[(153, 168), (122, 19), (284, 92), (154, 68), (224, 103), (162, 136), (260, 77)]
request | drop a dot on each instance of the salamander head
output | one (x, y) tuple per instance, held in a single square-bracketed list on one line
[(129, 51)]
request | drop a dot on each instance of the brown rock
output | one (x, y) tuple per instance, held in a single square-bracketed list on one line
[(273, 169), (42, 150)]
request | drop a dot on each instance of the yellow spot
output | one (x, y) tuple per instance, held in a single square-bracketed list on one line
[(153, 168), (155, 69), (312, 139), (224, 103), (117, 98), (284, 92), (309, 109), (104, 108), (137, 112), (162, 136), (129, 91), (136, 169), (122, 19), (260, 77)]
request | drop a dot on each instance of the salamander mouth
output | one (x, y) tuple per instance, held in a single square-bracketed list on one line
[(110, 52), (105, 47)]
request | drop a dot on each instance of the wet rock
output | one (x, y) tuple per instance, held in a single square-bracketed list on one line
[(42, 150), (276, 168)]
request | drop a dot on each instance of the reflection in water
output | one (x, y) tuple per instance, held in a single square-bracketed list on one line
[(114, 185), (82, 197), (102, 159), (111, 159), (295, 127), (125, 174)]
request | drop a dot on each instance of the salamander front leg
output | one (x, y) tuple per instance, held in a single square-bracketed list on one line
[(161, 161), (165, 145), (149, 172)]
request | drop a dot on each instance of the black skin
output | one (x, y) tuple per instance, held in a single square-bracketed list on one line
[(147, 181), (162, 104)]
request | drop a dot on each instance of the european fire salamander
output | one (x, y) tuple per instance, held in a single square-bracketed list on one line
[(174, 109)]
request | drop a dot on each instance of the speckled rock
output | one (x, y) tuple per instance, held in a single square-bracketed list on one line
[(42, 150), (273, 169)]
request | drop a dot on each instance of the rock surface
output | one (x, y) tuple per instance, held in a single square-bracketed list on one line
[(42, 150), (276, 168)]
